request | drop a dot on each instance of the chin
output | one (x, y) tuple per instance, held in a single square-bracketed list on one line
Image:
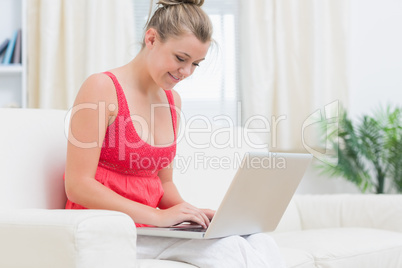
[(168, 86)]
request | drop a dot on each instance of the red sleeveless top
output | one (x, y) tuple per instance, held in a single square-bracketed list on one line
[(127, 164)]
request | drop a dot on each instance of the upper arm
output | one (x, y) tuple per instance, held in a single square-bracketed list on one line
[(88, 123), (166, 174)]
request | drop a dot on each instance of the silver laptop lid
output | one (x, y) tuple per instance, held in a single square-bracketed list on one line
[(255, 200), (259, 193)]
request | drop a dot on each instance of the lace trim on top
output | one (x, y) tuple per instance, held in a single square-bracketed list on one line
[(124, 151)]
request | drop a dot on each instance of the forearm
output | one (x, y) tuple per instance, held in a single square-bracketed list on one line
[(171, 196), (172, 200), (93, 195)]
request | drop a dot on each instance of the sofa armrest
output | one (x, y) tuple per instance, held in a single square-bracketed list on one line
[(40, 238), (350, 210)]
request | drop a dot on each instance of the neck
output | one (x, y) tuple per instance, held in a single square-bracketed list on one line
[(140, 77)]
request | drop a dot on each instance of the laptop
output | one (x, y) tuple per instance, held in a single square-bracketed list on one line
[(254, 202)]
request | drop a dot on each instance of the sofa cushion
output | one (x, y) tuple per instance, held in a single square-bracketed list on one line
[(46, 238), (32, 159), (290, 220), (350, 210), (297, 258), (346, 247)]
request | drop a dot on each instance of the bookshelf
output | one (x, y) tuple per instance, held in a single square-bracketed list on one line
[(13, 86)]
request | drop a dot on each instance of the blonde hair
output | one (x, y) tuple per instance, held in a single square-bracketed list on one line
[(174, 18)]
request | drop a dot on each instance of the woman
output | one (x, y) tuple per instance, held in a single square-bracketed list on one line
[(117, 138)]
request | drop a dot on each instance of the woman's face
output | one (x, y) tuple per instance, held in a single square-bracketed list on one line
[(175, 59)]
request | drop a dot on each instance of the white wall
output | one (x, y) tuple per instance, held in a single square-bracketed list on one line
[(10, 18), (375, 55)]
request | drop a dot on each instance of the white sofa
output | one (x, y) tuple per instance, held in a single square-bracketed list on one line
[(35, 231)]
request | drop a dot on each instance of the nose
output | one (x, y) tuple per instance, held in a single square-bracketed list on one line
[(186, 71)]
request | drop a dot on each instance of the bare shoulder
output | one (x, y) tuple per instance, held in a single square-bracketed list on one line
[(97, 88)]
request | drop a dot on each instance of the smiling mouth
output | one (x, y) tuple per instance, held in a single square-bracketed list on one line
[(174, 77)]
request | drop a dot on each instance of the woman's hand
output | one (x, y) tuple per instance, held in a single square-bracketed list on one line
[(209, 213), (183, 212)]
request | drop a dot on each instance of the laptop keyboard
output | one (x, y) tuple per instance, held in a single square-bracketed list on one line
[(196, 229)]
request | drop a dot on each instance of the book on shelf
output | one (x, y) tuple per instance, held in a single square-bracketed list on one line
[(17, 49), (8, 56), (3, 48)]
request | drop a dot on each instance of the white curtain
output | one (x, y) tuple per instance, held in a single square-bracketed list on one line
[(70, 39), (294, 66)]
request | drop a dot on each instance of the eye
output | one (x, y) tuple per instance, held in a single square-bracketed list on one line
[(179, 59), (196, 64)]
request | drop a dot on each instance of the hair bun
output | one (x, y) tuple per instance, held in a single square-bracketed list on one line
[(178, 2)]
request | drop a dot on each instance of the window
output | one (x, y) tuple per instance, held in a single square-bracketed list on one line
[(213, 88)]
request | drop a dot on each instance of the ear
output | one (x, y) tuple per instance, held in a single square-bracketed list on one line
[(150, 37)]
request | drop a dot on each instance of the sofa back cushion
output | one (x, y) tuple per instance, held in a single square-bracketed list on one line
[(350, 210), (32, 158), (290, 220)]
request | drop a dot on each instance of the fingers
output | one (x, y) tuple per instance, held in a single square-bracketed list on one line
[(197, 215), (184, 212), (209, 213)]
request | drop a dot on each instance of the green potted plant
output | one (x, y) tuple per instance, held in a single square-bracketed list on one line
[(369, 150)]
